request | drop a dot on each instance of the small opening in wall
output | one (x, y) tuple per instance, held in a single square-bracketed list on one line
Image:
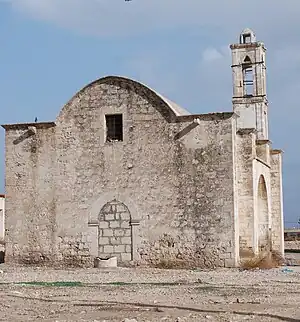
[(2, 257), (248, 80), (114, 127), (247, 38), (247, 60)]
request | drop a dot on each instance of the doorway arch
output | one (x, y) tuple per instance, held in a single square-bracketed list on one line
[(115, 231)]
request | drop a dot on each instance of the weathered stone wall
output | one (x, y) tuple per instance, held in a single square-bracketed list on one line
[(204, 170), (277, 201), (259, 195), (73, 250), (263, 205), (2, 227), (30, 193), (254, 194), (263, 151), (290, 245), (245, 154), (2, 217), (175, 178)]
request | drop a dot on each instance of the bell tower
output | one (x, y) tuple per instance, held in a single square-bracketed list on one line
[(249, 84)]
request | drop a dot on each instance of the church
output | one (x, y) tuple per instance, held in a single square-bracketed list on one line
[(125, 172)]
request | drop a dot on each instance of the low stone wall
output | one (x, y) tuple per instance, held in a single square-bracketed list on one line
[(295, 244), (292, 259)]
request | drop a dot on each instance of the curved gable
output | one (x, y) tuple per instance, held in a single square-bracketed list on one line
[(166, 107)]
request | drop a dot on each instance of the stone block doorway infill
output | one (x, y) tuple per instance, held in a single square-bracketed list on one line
[(115, 232)]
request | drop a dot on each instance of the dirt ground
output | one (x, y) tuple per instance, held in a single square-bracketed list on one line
[(39, 294)]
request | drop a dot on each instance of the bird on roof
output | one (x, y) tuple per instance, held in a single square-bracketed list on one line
[(36, 119)]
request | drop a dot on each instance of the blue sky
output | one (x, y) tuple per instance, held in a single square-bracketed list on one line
[(51, 48)]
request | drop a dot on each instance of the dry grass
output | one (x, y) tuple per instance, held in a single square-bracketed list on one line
[(265, 260), (246, 253), (172, 264)]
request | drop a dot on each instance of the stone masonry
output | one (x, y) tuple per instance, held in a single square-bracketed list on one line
[(125, 172), (2, 216), (115, 231), (2, 227)]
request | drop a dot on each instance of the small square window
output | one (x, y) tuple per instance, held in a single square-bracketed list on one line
[(247, 39), (114, 127)]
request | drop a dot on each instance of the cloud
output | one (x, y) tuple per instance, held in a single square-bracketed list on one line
[(147, 67), (210, 55), (121, 18)]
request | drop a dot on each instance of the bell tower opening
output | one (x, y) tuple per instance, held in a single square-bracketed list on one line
[(247, 36), (248, 77), (247, 39)]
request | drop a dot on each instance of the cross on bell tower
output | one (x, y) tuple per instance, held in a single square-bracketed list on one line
[(249, 83)]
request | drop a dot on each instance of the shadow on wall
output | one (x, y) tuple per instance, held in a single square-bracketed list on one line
[(2, 255)]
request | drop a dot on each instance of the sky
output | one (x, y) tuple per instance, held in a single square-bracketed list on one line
[(49, 49)]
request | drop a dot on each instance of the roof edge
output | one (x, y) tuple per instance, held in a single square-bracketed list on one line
[(180, 118), (207, 116), (24, 126), (173, 107)]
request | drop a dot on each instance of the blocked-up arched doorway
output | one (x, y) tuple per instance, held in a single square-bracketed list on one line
[(262, 214), (115, 231)]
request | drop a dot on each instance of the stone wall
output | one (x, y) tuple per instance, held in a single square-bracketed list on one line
[(263, 205), (30, 200), (245, 154), (291, 245), (74, 250), (2, 217), (259, 229), (174, 177), (259, 191), (202, 228), (277, 201)]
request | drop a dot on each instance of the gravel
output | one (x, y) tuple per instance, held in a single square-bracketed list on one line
[(149, 295)]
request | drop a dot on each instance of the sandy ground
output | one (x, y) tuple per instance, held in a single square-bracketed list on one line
[(149, 295)]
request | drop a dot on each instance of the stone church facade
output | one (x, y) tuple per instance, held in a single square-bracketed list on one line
[(125, 172)]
